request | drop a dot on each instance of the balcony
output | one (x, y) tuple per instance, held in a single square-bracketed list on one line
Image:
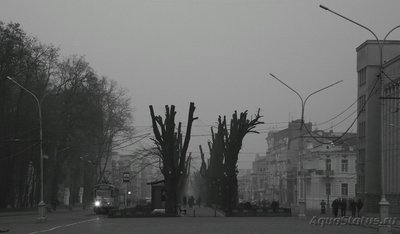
[(320, 173), (329, 173)]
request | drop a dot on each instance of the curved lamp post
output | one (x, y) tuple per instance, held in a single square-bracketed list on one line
[(304, 101), (302, 202), (41, 205), (383, 204)]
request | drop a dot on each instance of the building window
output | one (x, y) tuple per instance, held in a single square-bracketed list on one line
[(361, 130), (362, 77), (328, 188), (345, 189), (361, 103), (328, 165), (345, 165)]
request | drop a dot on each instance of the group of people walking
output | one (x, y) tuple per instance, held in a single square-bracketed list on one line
[(354, 205), (191, 201)]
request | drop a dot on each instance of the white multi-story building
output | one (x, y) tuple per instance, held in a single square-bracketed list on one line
[(328, 172)]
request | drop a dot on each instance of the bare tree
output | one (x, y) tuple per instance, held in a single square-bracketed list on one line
[(172, 150), (221, 174)]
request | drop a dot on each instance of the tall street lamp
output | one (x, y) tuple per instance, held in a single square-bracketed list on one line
[(302, 202), (41, 205), (383, 204)]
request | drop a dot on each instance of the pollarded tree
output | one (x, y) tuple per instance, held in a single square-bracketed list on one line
[(233, 139), (221, 174), (215, 170), (172, 150)]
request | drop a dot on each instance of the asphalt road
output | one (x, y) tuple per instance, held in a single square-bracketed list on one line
[(79, 221)]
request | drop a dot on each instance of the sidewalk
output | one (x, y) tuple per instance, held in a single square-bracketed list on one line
[(394, 228), (203, 211), (33, 211)]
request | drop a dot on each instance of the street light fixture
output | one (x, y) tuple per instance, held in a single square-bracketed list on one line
[(383, 204), (302, 202), (41, 205), (304, 101)]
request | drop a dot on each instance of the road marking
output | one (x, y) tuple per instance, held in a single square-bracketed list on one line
[(48, 230), (67, 225), (84, 221)]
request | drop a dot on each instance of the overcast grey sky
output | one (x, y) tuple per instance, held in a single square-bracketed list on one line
[(216, 53)]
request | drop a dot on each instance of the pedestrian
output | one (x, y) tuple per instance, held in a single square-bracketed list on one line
[(163, 198), (199, 201), (184, 201), (352, 207), (323, 206), (359, 206), (343, 206), (335, 207), (191, 201), (274, 206)]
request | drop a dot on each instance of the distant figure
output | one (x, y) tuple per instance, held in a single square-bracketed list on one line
[(163, 198), (343, 206), (353, 207), (184, 201), (323, 206), (191, 201), (359, 206), (335, 207), (199, 201), (275, 206), (264, 203), (54, 204)]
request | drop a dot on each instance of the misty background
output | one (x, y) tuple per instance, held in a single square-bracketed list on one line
[(217, 54)]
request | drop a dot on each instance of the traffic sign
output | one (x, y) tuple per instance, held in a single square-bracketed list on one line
[(126, 177)]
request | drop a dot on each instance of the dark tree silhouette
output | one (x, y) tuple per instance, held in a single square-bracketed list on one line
[(221, 174), (172, 150)]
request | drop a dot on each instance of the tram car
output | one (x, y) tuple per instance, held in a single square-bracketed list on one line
[(106, 198)]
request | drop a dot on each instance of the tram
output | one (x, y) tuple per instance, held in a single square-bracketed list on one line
[(106, 197)]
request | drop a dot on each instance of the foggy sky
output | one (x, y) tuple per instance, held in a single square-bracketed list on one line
[(216, 53)]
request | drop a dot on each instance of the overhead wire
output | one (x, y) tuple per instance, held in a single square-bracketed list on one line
[(351, 125)]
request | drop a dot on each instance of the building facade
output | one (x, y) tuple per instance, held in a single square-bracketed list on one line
[(282, 161), (378, 124), (258, 179), (328, 172)]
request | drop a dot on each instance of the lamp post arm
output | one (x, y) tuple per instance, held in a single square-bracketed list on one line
[(354, 22), (301, 99), (22, 87), (319, 90), (384, 39)]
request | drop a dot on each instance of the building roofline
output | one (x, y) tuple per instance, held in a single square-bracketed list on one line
[(375, 42)]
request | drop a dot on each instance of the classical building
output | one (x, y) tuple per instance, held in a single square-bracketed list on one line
[(282, 160), (378, 124), (328, 171)]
